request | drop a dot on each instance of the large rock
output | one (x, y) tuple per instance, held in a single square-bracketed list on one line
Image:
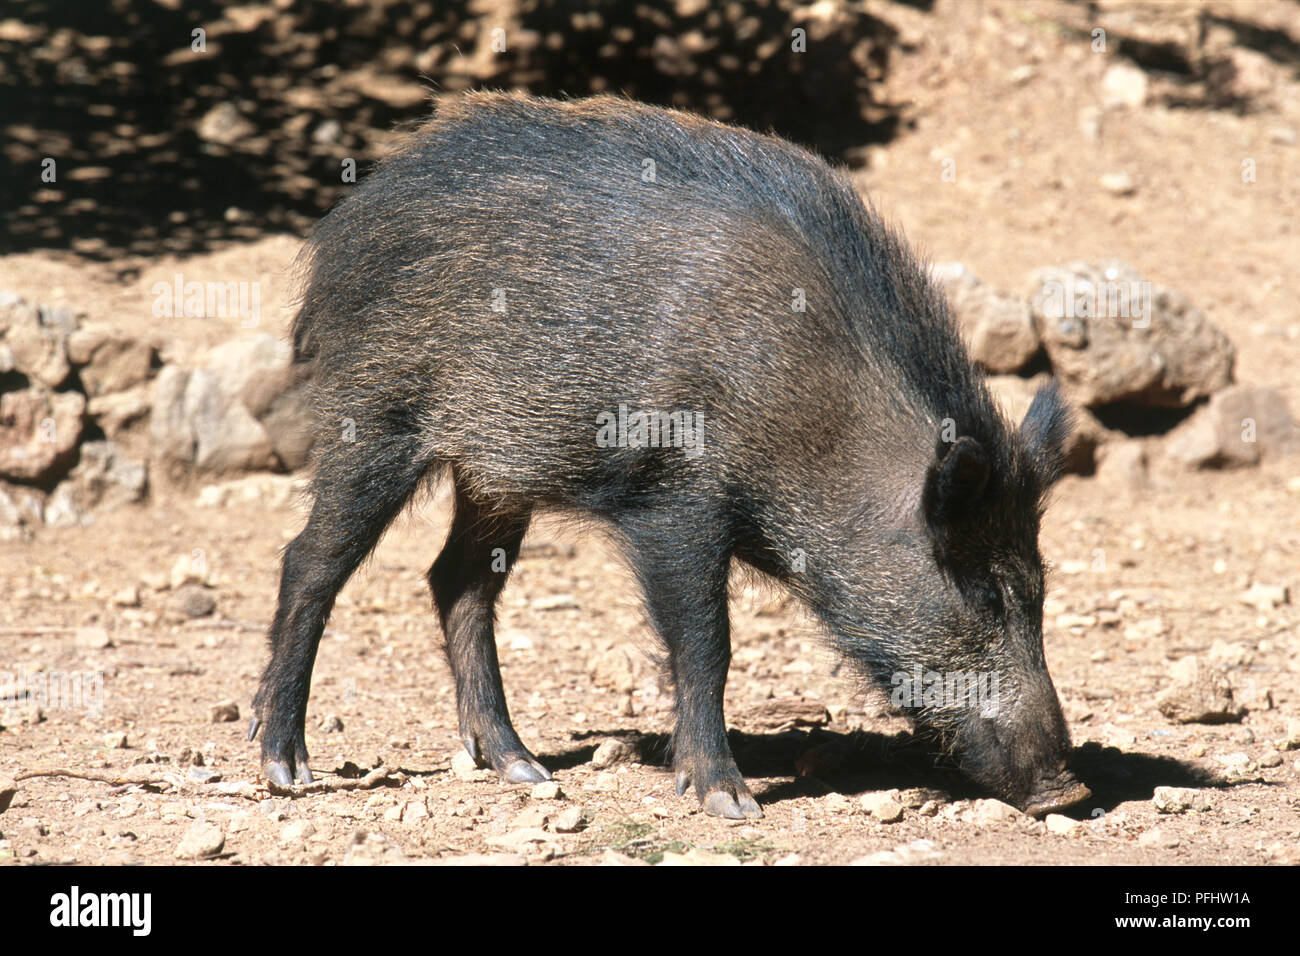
[(109, 362), (103, 478), (33, 340), (279, 398), (209, 416), (1112, 337), (39, 431), (997, 327), (117, 410), (1238, 427)]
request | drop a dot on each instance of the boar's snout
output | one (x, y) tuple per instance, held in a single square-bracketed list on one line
[(1056, 793), (1023, 755)]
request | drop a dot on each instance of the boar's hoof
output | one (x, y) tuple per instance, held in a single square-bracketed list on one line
[(522, 770), (510, 759), (1062, 796), (726, 798), (279, 773), (719, 803)]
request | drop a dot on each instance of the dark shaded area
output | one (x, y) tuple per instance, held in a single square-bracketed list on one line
[(163, 148), (1141, 421), (821, 761)]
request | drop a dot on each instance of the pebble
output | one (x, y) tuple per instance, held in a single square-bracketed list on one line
[(547, 790), (92, 638), (201, 841), (882, 806), (463, 766), (918, 851), (225, 712), (297, 831), (992, 812), (1060, 825), (1158, 838), (192, 600), (571, 820), (127, 597), (531, 818), (609, 752), (1179, 800), (1119, 184)]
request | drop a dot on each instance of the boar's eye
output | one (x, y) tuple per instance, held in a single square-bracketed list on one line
[(989, 599)]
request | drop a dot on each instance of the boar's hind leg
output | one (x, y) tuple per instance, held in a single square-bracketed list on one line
[(466, 579), (358, 488), (685, 584)]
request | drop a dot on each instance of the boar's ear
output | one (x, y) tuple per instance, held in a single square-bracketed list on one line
[(1044, 430), (955, 480)]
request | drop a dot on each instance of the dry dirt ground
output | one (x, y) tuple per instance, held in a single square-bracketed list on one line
[(1143, 574)]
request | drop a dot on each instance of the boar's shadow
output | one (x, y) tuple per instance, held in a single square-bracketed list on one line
[(813, 763)]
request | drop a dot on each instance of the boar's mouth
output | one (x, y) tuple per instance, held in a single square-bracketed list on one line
[(1059, 793)]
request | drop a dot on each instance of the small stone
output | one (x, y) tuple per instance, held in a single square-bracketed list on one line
[(8, 790), (127, 597), (607, 782), (571, 820), (463, 766), (615, 669), (192, 600), (882, 806), (1158, 839), (1264, 598), (225, 712), (531, 818), (1060, 825), (297, 831), (555, 602), (1291, 741), (92, 638), (1199, 693), (993, 812), (414, 811), (1270, 758), (1119, 184), (609, 753), (546, 790), (333, 724), (201, 841), (115, 740), (1179, 800), (1123, 85)]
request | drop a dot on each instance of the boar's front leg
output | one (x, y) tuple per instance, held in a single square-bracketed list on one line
[(683, 573), (465, 579)]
